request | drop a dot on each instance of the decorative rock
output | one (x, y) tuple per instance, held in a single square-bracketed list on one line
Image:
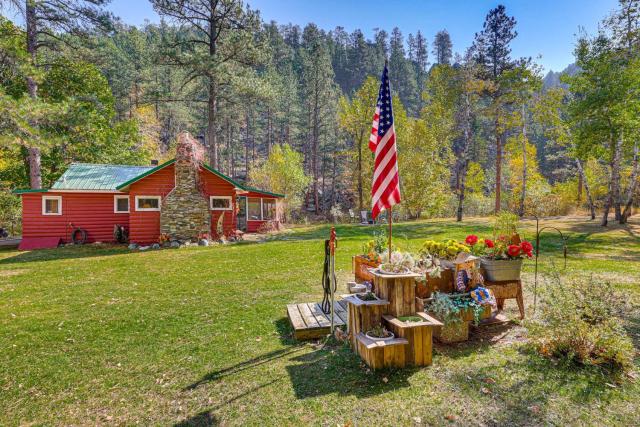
[(155, 246), (203, 242), (133, 247), (144, 248), (175, 244)]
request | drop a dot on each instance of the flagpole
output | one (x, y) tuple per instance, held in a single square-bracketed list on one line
[(390, 217)]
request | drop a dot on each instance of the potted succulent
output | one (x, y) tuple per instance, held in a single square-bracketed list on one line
[(379, 333), (430, 269), (367, 296), (397, 263)]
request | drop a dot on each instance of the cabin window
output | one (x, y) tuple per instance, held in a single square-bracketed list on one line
[(268, 209), (220, 203), (255, 209), (52, 205), (121, 204), (147, 203)]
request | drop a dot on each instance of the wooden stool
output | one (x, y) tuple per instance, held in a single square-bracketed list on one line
[(511, 289)]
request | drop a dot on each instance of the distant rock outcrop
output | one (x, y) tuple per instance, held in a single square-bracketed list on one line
[(552, 79)]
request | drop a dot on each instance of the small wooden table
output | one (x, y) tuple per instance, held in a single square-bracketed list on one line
[(511, 289)]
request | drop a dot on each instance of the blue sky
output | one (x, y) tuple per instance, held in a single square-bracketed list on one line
[(546, 28)]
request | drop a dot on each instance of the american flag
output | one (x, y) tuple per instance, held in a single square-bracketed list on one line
[(385, 191)]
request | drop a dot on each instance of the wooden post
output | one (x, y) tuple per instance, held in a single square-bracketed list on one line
[(390, 215)]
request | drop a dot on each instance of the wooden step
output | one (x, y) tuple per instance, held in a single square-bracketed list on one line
[(426, 321), (381, 354)]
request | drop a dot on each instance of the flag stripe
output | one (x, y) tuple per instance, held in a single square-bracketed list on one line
[(385, 189)]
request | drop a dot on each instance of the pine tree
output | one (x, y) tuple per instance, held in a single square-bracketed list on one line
[(43, 20), (442, 47), (492, 52)]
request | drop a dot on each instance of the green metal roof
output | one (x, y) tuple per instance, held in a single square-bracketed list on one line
[(96, 177), (87, 176)]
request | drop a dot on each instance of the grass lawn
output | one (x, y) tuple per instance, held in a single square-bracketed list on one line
[(199, 336)]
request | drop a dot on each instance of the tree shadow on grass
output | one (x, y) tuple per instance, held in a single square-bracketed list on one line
[(63, 253), (338, 370), (242, 366), (533, 382), (201, 419)]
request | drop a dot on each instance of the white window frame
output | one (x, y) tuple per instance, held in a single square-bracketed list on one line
[(115, 203), (44, 205), (211, 198), (138, 209)]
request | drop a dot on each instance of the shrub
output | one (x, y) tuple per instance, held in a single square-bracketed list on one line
[(581, 321)]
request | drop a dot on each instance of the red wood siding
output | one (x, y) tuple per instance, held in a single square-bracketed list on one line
[(90, 211), (144, 227), (216, 186)]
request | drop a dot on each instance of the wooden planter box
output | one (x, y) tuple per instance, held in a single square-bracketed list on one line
[(361, 267), (453, 332), (444, 283)]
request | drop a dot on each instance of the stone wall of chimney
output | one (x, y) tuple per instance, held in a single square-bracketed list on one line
[(185, 211)]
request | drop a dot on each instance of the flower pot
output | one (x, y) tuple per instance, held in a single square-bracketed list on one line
[(501, 270), (361, 267), (390, 337), (394, 273), (452, 332)]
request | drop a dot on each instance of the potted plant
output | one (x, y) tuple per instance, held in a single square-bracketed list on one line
[(455, 311), (501, 258), (379, 333), (397, 263), (367, 296), (370, 258), (429, 267)]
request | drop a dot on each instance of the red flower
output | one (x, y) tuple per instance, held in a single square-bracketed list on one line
[(529, 254), (471, 239), (526, 246), (489, 243), (513, 250)]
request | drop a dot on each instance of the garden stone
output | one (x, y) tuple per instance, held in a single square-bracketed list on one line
[(203, 242), (174, 244), (133, 247), (155, 246), (144, 248)]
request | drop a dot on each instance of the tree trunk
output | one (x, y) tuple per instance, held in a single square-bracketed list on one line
[(246, 144), (360, 189), (35, 172), (633, 185), (587, 189), (617, 194), (462, 174), (523, 194), (498, 168), (212, 111)]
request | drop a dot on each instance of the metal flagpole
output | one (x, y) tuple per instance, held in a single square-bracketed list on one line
[(390, 215)]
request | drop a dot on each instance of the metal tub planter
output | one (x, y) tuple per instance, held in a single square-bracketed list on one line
[(501, 270)]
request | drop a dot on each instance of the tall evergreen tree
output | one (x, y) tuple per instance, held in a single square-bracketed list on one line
[(442, 47), (45, 20), (220, 43), (492, 52)]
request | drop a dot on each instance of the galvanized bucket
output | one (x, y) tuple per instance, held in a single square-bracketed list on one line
[(502, 270)]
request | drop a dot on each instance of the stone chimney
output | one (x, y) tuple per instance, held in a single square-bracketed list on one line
[(185, 211)]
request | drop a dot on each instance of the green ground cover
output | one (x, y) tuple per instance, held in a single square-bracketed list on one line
[(199, 336)]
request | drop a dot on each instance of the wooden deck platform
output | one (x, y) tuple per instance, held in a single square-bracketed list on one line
[(309, 321)]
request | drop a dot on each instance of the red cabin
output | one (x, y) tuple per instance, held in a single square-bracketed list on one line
[(174, 199)]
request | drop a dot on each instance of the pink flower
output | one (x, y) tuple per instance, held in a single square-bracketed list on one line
[(471, 239)]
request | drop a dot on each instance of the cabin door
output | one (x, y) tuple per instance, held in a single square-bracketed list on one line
[(242, 213)]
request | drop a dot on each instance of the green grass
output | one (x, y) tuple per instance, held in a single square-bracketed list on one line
[(199, 336)]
